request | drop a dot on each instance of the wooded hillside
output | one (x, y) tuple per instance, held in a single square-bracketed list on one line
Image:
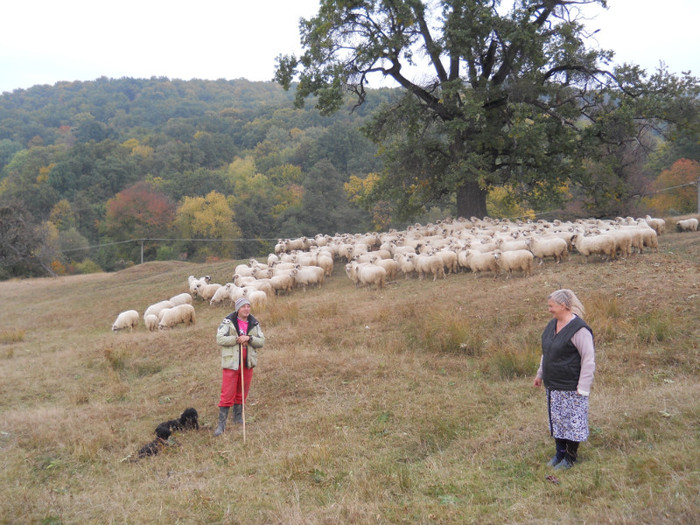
[(118, 159)]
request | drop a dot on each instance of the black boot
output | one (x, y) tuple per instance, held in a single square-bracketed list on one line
[(238, 414), (570, 456), (223, 414), (560, 454)]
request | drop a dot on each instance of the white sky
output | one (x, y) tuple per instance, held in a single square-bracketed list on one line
[(47, 41)]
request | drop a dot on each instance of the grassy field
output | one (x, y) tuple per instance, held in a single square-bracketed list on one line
[(412, 404)]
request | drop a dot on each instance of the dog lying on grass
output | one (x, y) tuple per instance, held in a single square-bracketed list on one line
[(189, 420), (155, 446)]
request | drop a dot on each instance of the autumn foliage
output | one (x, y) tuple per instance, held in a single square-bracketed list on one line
[(676, 188), (139, 212)]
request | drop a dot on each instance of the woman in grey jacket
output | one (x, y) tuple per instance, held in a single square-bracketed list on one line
[(238, 333), (566, 369)]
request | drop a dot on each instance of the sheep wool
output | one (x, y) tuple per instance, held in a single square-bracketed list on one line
[(127, 319)]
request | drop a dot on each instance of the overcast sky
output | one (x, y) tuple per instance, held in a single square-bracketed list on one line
[(47, 41)]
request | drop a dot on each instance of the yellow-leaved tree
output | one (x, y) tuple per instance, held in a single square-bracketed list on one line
[(209, 218)]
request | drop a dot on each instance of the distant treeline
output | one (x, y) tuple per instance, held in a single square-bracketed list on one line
[(98, 162)]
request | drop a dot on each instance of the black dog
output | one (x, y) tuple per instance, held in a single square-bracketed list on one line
[(189, 420), (152, 448)]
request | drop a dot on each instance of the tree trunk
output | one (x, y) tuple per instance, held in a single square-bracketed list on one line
[(471, 201)]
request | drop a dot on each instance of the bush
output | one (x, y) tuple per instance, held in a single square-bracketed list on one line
[(87, 266)]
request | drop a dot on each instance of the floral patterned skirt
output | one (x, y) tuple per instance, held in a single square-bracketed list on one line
[(568, 415)]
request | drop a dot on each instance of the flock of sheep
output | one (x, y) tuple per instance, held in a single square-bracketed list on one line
[(159, 316), (372, 259)]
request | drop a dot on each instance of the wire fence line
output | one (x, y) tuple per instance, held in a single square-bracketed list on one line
[(142, 240), (262, 239)]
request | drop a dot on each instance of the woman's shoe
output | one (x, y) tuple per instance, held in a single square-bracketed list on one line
[(564, 464)]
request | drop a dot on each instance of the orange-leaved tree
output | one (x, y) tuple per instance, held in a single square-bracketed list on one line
[(139, 212)]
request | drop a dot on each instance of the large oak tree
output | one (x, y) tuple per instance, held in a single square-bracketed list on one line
[(491, 96)]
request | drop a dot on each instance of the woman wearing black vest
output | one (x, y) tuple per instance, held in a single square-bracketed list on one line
[(566, 369)]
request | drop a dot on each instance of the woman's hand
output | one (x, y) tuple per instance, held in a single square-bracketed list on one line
[(537, 382)]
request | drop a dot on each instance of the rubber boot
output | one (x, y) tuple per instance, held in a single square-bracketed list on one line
[(223, 414), (238, 414)]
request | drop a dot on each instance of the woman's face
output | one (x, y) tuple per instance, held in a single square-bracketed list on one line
[(557, 310), (244, 311)]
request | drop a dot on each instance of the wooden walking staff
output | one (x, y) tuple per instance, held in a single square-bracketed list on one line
[(240, 351)]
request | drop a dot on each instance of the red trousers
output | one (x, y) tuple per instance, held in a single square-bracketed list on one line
[(231, 384)]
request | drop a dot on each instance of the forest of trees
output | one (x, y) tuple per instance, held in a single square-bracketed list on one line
[(84, 164), (95, 174)]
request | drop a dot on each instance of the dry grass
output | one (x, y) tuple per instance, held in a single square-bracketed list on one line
[(412, 404)]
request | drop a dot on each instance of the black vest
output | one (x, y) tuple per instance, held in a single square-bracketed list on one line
[(561, 362)]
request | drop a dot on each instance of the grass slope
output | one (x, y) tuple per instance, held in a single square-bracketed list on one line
[(412, 404)]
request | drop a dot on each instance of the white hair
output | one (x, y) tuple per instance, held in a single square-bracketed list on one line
[(568, 300)]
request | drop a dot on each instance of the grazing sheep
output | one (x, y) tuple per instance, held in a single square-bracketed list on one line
[(623, 241), (482, 262), (548, 247), (183, 313), (658, 225), (325, 261), (406, 263), (206, 291), (366, 274), (430, 263), (390, 266), (449, 260), (282, 283), (154, 309), (127, 319), (520, 260), (192, 281), (650, 238), (308, 275), (222, 294), (183, 298), (151, 321), (595, 244), (687, 225)]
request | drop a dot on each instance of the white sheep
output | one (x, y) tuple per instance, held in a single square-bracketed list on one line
[(155, 308), (548, 247), (127, 319), (406, 262), (518, 260), (449, 260), (206, 291), (687, 225), (430, 263), (308, 275), (482, 262), (222, 294), (183, 313), (264, 285), (183, 298), (151, 322), (595, 244), (257, 298), (325, 261), (192, 281), (390, 266), (658, 225), (282, 283), (366, 274)]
